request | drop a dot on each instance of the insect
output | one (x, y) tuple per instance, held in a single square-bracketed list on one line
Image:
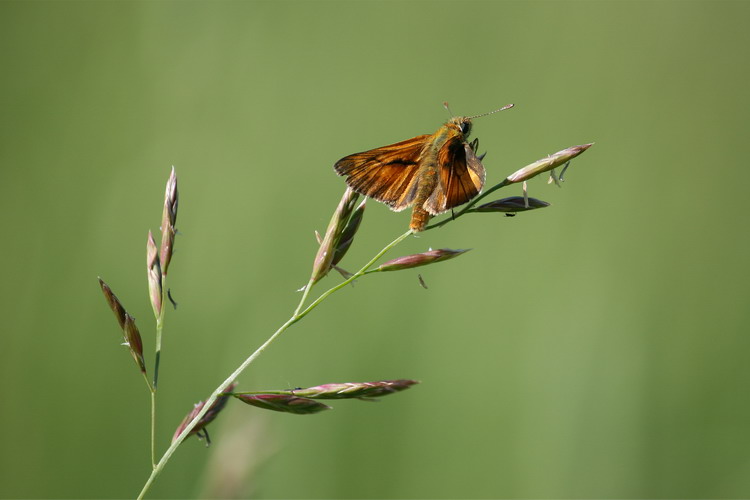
[(433, 172)]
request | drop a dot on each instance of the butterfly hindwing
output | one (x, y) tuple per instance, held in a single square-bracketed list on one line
[(461, 177), (387, 174)]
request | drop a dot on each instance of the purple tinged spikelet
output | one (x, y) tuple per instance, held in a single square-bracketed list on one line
[(420, 259), (134, 342), (355, 389), (337, 225), (347, 235), (153, 270), (207, 418), (130, 333), (168, 221), (114, 303), (283, 403), (546, 164), (511, 204)]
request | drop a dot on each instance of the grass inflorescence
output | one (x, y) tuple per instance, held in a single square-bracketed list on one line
[(345, 222)]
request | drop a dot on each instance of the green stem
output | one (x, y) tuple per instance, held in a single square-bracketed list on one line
[(153, 428), (305, 293), (159, 328), (157, 362), (356, 275), (152, 390), (220, 389), (148, 382)]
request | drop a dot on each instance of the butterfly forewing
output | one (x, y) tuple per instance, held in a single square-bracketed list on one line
[(387, 174)]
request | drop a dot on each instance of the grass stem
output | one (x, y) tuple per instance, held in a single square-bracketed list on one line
[(298, 315)]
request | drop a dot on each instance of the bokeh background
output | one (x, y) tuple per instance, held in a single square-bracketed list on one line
[(597, 348)]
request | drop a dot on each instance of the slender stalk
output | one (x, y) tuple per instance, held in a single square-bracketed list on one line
[(153, 428), (159, 328), (305, 293), (157, 361), (152, 390), (353, 277), (292, 320)]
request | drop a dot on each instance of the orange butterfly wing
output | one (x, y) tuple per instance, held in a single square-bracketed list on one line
[(387, 174), (461, 177)]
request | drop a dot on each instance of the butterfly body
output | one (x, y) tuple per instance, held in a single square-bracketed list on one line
[(433, 172)]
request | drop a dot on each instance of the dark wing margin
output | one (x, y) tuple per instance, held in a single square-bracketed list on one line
[(386, 174)]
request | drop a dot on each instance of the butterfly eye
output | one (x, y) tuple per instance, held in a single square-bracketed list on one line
[(465, 128)]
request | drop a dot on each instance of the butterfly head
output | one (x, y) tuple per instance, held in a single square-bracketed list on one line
[(462, 124)]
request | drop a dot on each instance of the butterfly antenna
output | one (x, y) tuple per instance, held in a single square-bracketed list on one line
[(489, 113), (445, 105)]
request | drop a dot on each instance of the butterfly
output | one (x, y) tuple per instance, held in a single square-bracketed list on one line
[(432, 172)]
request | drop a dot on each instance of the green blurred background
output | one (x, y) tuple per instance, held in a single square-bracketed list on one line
[(592, 349)]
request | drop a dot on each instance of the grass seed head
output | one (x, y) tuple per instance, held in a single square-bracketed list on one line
[(511, 204), (347, 235), (349, 390), (153, 270), (208, 417), (113, 302), (168, 221), (283, 403), (131, 335), (134, 342), (546, 164), (420, 259), (336, 227)]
